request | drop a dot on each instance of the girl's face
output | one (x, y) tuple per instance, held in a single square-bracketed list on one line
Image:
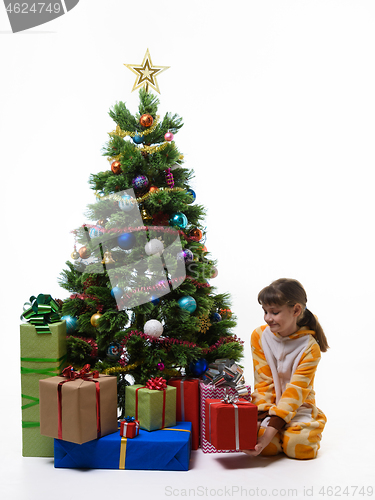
[(282, 319)]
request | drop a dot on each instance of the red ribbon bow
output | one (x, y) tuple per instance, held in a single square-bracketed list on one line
[(156, 383), (70, 374)]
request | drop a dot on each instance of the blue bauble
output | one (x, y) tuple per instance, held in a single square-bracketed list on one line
[(155, 300), (140, 182), (114, 351), (192, 193), (116, 292), (138, 139), (216, 317), (186, 255), (178, 219), (187, 303), (71, 324), (198, 367), (126, 203), (126, 241)]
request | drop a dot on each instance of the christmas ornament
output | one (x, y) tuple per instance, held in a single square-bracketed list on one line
[(216, 317), (198, 367), (155, 300), (71, 323), (169, 178), (95, 319), (146, 217), (116, 167), (187, 303), (225, 313), (153, 327), (146, 73), (160, 366), (178, 219), (84, 252), (186, 256), (101, 222), (126, 241), (74, 255), (168, 136), (114, 351), (195, 234), (154, 247), (214, 272), (107, 259), (192, 193), (138, 139), (126, 204), (204, 323), (146, 120), (153, 189), (140, 182), (116, 292), (94, 232)]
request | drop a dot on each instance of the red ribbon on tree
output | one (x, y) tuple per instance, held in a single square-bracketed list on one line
[(156, 383), (70, 374)]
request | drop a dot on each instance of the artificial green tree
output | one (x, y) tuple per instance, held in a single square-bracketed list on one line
[(143, 258)]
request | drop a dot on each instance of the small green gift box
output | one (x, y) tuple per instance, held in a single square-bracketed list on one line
[(153, 408), (42, 355)]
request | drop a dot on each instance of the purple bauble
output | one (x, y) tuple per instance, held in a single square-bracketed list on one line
[(186, 255), (160, 366), (140, 182)]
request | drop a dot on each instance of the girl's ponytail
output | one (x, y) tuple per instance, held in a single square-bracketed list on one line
[(308, 319)]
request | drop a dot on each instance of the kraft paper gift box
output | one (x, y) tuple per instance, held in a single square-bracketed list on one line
[(231, 426), (210, 391), (88, 408), (164, 449), (42, 355), (153, 409), (187, 408)]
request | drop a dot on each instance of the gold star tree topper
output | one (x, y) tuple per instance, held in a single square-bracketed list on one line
[(146, 73)]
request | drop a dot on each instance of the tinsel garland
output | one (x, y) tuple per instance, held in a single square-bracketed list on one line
[(92, 343), (165, 341), (117, 197), (145, 149), (84, 296), (114, 370), (124, 133), (128, 229)]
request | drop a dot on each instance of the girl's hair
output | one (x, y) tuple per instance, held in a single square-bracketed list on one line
[(290, 292)]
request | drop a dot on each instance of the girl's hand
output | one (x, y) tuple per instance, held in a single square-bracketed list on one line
[(262, 442)]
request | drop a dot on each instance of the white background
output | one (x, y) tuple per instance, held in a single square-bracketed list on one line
[(278, 102)]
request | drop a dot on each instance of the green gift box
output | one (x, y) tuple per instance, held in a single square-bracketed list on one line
[(43, 355), (154, 409)]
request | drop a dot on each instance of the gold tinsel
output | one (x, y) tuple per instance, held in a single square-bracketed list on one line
[(124, 133), (114, 370)]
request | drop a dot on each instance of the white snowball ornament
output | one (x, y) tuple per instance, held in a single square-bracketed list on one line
[(153, 327), (154, 246)]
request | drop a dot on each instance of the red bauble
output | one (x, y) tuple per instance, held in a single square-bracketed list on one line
[(84, 253), (153, 189), (146, 120), (116, 167)]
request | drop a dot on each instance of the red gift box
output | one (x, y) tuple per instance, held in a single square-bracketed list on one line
[(187, 404), (129, 429), (231, 426)]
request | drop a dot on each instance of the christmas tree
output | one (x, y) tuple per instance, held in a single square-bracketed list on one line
[(142, 304)]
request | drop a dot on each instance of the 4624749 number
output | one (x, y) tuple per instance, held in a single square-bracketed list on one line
[(34, 8), (347, 491)]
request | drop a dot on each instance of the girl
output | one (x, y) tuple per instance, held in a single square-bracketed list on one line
[(286, 353)]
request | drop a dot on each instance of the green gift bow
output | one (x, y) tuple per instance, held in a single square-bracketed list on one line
[(41, 311)]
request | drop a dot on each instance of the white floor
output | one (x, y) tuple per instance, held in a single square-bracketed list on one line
[(345, 459)]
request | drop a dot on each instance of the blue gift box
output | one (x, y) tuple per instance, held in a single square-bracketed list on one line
[(164, 449)]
